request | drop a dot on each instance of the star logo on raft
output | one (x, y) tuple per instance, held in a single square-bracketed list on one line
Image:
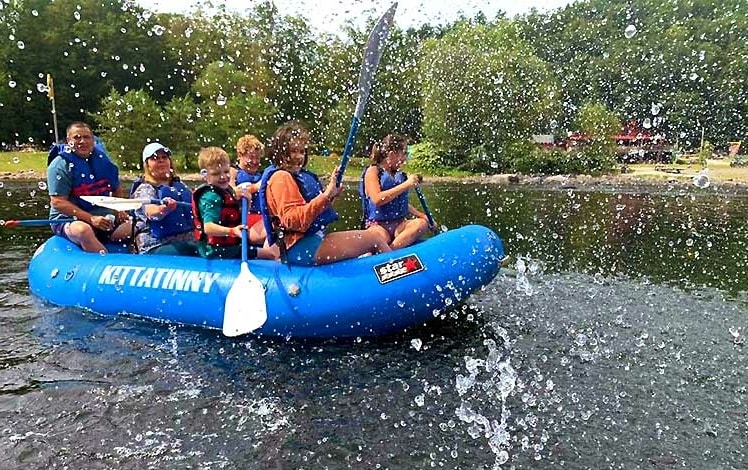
[(398, 268)]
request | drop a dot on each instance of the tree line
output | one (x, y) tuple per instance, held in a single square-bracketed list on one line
[(470, 94)]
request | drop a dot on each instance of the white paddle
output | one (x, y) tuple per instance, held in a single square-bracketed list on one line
[(245, 309), (123, 204)]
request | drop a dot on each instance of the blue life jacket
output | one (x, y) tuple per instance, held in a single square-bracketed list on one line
[(95, 176), (177, 221), (393, 210), (243, 176), (309, 187)]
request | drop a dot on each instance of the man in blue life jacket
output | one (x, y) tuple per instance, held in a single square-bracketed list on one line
[(80, 168)]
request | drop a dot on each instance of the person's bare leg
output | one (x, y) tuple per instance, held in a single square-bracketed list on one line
[(83, 235), (268, 252), (338, 246), (408, 232), (256, 233), (122, 232)]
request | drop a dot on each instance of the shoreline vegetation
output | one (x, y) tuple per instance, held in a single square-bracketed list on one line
[(641, 176)]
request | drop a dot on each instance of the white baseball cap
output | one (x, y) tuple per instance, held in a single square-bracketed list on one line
[(151, 149)]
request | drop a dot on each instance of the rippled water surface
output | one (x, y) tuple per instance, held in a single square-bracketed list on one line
[(614, 339)]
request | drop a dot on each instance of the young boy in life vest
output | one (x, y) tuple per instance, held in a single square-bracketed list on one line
[(245, 176), (217, 211)]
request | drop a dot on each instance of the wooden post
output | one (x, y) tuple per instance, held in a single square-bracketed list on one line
[(51, 95)]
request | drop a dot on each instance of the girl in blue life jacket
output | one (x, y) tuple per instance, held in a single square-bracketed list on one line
[(295, 206), (167, 228), (384, 194)]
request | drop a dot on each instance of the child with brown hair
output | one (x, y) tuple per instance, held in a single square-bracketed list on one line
[(294, 204), (384, 194), (217, 211)]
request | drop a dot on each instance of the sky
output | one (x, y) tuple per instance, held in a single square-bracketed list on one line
[(329, 15)]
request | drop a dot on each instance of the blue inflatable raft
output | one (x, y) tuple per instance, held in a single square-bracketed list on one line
[(374, 295)]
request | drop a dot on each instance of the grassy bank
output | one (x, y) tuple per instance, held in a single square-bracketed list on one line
[(19, 163), (23, 163)]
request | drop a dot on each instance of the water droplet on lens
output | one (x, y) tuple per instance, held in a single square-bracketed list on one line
[(701, 180)]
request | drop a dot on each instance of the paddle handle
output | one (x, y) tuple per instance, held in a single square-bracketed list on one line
[(245, 235), (348, 150), (35, 222), (161, 202), (425, 206)]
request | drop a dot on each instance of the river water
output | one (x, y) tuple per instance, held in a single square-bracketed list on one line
[(614, 339)]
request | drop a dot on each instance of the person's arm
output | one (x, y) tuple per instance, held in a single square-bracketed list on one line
[(153, 211), (217, 230), (374, 189), (413, 211), (68, 208), (285, 200), (210, 207)]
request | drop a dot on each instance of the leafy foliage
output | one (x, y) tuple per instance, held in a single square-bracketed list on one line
[(470, 93), (127, 123), (483, 89)]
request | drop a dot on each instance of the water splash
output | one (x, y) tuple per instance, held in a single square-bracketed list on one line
[(701, 180)]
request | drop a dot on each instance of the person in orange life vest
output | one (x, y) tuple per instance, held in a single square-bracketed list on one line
[(217, 211), (293, 201), (80, 168), (166, 228), (245, 179), (384, 194)]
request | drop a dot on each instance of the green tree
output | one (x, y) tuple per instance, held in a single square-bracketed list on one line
[(181, 117), (127, 123), (483, 86), (600, 125), (666, 64), (88, 46), (227, 109)]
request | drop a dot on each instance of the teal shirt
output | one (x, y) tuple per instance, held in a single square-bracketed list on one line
[(60, 183), (210, 204)]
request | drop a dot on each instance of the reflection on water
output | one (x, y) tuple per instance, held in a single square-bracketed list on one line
[(615, 339)]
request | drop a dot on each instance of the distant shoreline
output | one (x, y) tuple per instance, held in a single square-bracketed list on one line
[(644, 181)]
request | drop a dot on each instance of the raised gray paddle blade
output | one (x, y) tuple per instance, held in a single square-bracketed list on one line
[(373, 53), (374, 48)]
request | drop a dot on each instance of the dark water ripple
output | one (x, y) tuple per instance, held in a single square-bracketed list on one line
[(577, 357), (619, 374)]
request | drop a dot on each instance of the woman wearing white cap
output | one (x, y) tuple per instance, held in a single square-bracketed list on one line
[(164, 228)]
